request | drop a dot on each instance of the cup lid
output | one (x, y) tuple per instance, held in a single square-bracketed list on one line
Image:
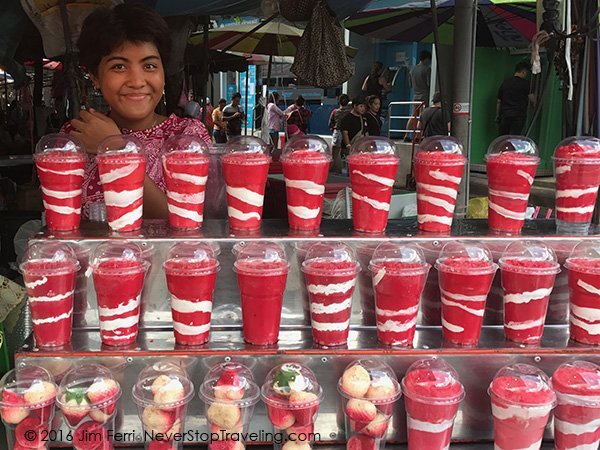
[(163, 385), (120, 144), (584, 149), (230, 382), (585, 257), (291, 386), (529, 256), (522, 384), (185, 143), (396, 256), (240, 245), (447, 145), (433, 380), (59, 142), (29, 387), (325, 253), (261, 257), (246, 145), (577, 382), (91, 386), (305, 144), (376, 145), (118, 250), (513, 148), (465, 255), (56, 253), (370, 379), (202, 253)]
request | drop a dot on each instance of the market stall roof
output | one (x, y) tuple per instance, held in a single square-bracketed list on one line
[(217, 62)]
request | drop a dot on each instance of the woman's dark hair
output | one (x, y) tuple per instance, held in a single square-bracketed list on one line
[(300, 101), (105, 29), (222, 101), (344, 99), (359, 100), (371, 99)]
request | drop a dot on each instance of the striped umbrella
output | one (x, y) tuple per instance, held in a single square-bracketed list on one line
[(500, 23)]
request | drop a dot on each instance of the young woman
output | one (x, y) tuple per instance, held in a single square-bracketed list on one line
[(124, 49), (372, 115), (275, 116)]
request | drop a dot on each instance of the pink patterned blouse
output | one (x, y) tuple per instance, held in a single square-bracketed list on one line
[(153, 139)]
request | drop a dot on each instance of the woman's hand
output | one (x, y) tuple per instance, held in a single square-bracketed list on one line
[(92, 127)]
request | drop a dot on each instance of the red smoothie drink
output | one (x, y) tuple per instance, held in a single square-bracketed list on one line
[(122, 169), (118, 271), (522, 400), (262, 270), (60, 163), (305, 161), (330, 271), (191, 269), (439, 165), (49, 272), (185, 167), (245, 169), (432, 393), (372, 165), (577, 168), (511, 165), (528, 270), (465, 272), (577, 413), (397, 268)]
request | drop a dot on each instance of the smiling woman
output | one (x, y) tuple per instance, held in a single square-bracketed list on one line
[(124, 49)]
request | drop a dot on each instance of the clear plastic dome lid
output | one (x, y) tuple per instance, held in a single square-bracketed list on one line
[(194, 254), (514, 149), (186, 145), (307, 147), (57, 257), (59, 142), (577, 382), (124, 251), (246, 145), (325, 256), (584, 149), (291, 386), (398, 257), (585, 257), (88, 386), (230, 382), (28, 387), (465, 256), (240, 245), (165, 385), (522, 384), (374, 145), (261, 257), (440, 147), (529, 256), (432, 380), (120, 144), (370, 379)]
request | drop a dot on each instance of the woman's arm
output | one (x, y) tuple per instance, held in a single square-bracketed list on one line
[(155, 201)]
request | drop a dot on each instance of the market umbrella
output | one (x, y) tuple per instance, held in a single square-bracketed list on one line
[(217, 61), (500, 23)]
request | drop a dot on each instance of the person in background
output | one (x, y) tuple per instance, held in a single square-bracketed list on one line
[(125, 49), (433, 121), (208, 120), (354, 125), (513, 100), (375, 83), (419, 82), (335, 121), (219, 125), (233, 115), (372, 115), (297, 117), (275, 116)]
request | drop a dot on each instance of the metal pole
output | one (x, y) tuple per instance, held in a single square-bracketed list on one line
[(6, 89), (246, 99), (205, 69), (464, 55), (69, 66)]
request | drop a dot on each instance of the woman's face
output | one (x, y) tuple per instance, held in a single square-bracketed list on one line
[(132, 80), (376, 105)]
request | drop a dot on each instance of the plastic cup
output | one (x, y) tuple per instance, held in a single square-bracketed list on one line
[(118, 269), (245, 169), (229, 394), (262, 270), (397, 268), (511, 165), (60, 163), (577, 169), (162, 393), (465, 271), (191, 270), (439, 164), (369, 390), (292, 396), (432, 393), (558, 307), (577, 413), (122, 169), (330, 270), (431, 303), (528, 270), (305, 160), (522, 400), (185, 166), (372, 164), (494, 309), (87, 397), (583, 267), (27, 396), (49, 271)]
